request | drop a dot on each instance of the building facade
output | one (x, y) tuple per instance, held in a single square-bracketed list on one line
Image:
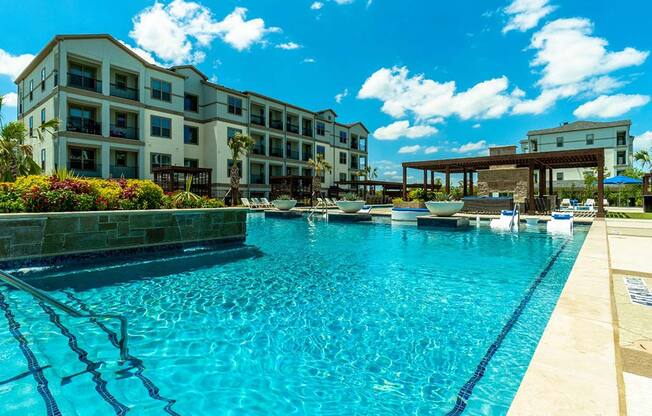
[(121, 116), (613, 136)]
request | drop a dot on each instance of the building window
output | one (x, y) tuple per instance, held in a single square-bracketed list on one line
[(161, 127), (31, 126), (161, 90), (342, 158), (621, 139), (191, 103), (321, 128), (536, 178), (621, 157), (55, 76), (560, 142), (121, 81), (31, 90), (231, 132), (191, 163), (190, 135), (229, 165), (321, 150), (343, 137), (43, 160), (121, 120), (43, 79), (235, 105), (121, 159), (159, 160), (42, 115), (82, 159), (589, 139), (343, 177), (560, 176)]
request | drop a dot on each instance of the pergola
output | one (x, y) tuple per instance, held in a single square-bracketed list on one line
[(543, 162), (390, 188)]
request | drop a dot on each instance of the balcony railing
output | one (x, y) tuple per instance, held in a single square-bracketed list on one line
[(276, 152), (127, 172), (307, 131), (258, 119), (124, 132), (307, 155), (355, 165), (86, 83), (124, 92), (292, 154), (354, 145), (293, 128), (258, 179), (84, 125), (276, 124), (258, 149), (85, 168)]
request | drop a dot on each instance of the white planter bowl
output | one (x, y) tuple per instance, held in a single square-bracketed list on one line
[(284, 204), (444, 208), (350, 207)]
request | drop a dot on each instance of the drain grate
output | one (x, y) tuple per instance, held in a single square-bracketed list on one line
[(638, 291)]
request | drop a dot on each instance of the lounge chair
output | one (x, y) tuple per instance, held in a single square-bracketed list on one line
[(560, 222), (321, 203), (330, 203), (246, 203), (589, 203), (565, 203), (257, 202), (266, 203), (366, 209), (605, 203)]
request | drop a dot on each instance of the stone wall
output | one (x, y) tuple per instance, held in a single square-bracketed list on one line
[(509, 180), (36, 235)]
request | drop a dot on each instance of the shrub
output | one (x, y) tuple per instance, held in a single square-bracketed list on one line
[(350, 196)]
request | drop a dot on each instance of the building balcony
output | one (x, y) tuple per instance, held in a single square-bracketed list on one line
[(127, 172), (276, 152), (84, 125), (355, 166), (124, 92), (124, 132), (85, 83), (258, 120), (306, 156), (292, 128), (293, 154), (86, 168), (276, 124), (258, 149), (307, 132), (258, 179)]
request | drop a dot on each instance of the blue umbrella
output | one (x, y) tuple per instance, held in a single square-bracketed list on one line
[(622, 180)]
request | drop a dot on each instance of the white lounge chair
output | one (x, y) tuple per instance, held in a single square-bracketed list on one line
[(565, 203), (509, 221), (560, 222), (257, 203), (266, 203), (589, 203), (321, 203), (246, 203), (330, 203)]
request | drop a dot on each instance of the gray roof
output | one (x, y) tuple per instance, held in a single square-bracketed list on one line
[(581, 125)]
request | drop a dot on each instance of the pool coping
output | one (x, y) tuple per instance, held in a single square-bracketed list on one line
[(574, 369)]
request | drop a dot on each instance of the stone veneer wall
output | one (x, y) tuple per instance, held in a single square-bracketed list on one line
[(508, 180), (37, 235)]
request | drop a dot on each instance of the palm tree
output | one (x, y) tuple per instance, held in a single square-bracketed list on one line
[(643, 156), (240, 146), (319, 165), (15, 153)]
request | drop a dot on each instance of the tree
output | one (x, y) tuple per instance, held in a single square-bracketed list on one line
[(643, 156), (240, 146), (15, 153), (319, 165)]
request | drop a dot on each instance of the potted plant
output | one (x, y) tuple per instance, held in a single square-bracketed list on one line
[(284, 202), (416, 199), (350, 203), (444, 205)]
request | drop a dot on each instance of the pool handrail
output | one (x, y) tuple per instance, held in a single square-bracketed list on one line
[(44, 297)]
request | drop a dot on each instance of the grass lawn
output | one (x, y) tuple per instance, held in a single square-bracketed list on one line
[(631, 215)]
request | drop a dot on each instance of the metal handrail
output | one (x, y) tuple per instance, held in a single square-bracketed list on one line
[(44, 297), (514, 212)]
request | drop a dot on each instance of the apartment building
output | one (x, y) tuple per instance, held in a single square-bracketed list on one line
[(122, 116), (613, 136)]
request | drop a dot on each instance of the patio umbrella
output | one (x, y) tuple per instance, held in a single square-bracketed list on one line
[(622, 180)]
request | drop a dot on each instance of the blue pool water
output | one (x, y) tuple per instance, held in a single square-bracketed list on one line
[(305, 319)]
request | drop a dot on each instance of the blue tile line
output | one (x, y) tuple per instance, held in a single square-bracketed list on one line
[(465, 392), (152, 389), (32, 363), (91, 366)]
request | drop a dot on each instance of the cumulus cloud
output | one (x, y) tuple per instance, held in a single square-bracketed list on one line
[(402, 128), (142, 53), (425, 98), (606, 106), (526, 14), (643, 141), (309, 61), (477, 125), (471, 147), (316, 5), (339, 97), (431, 149), (13, 65), (176, 32), (409, 149), (288, 46), (10, 99)]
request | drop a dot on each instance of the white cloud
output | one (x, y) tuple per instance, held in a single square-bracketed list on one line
[(175, 32), (606, 106), (344, 1), (390, 173), (426, 98), (409, 149), (13, 65), (288, 46), (643, 141), (339, 97), (142, 53), (403, 129), (471, 147), (316, 5), (10, 99), (309, 61), (431, 149), (477, 126), (525, 14)]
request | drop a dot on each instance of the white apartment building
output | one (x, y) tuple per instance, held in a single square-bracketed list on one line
[(122, 116), (613, 136)]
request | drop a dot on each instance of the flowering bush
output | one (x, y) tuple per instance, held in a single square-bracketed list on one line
[(52, 194)]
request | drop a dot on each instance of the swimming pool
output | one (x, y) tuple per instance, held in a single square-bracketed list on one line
[(306, 318)]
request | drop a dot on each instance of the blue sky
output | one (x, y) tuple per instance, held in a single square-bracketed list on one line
[(429, 79)]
